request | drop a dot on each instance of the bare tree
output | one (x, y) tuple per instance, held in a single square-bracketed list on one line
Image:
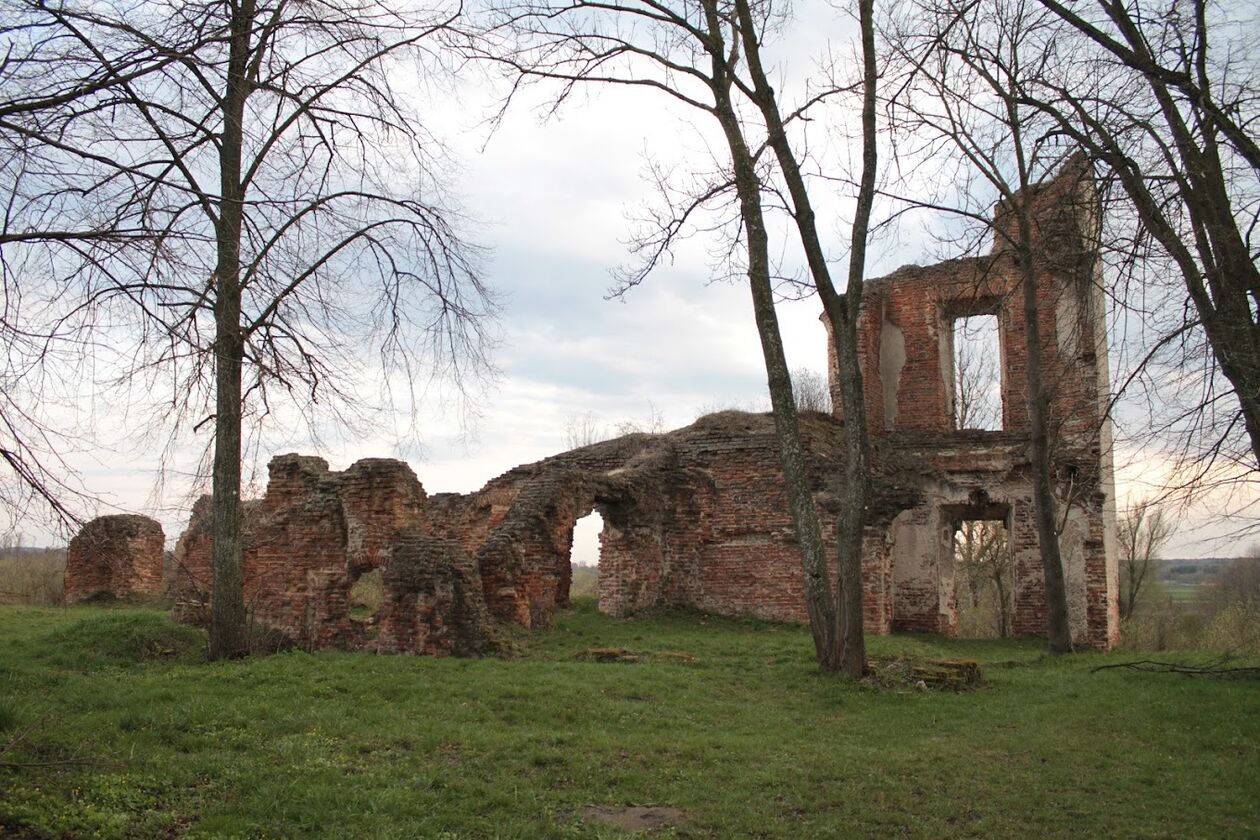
[(962, 69), (582, 430), (1142, 532), (706, 54), (810, 391), (237, 196), (1164, 95), (653, 423), (1170, 107)]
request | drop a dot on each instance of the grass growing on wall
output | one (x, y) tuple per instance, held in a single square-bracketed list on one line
[(727, 720)]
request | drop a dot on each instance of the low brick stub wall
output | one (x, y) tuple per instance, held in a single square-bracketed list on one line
[(117, 555)]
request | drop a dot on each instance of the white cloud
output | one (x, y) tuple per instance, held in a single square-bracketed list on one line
[(553, 200)]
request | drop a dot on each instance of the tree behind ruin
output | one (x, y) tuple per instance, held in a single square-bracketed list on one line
[(236, 196), (1142, 532)]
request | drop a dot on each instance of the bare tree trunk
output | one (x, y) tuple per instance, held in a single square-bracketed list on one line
[(857, 466), (228, 636), (842, 311), (227, 599), (1000, 570), (818, 596), (1058, 632)]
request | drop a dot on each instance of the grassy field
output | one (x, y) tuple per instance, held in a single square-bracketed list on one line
[(1185, 592), (726, 720)]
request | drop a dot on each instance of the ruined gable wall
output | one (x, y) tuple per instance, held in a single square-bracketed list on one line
[(116, 555), (905, 337), (905, 344)]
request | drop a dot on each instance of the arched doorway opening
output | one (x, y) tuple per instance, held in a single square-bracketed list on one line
[(584, 557)]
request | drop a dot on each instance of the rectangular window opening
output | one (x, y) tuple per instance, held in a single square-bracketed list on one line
[(977, 373)]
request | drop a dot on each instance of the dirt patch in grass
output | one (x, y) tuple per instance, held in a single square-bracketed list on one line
[(606, 655), (635, 817)]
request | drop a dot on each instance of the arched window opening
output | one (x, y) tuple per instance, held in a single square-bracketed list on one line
[(366, 595)]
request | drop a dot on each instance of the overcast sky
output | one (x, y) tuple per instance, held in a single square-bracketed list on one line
[(554, 201)]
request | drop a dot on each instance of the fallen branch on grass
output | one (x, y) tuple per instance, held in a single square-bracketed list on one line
[(1210, 670)]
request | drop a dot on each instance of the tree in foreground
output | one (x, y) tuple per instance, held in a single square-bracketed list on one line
[(1166, 96), (707, 54), (239, 199)]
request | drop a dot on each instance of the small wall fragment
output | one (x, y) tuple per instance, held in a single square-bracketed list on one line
[(117, 555)]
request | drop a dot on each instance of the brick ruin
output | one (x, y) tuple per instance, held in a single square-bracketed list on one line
[(906, 346), (698, 517), (315, 532), (115, 556)]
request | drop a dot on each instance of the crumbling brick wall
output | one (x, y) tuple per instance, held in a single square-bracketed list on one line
[(434, 602), (695, 517), (906, 352), (313, 534), (698, 517), (116, 555)]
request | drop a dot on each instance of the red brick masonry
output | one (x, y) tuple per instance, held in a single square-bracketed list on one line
[(115, 555), (697, 517)]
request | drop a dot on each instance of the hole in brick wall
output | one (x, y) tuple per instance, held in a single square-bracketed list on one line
[(584, 556), (977, 373), (982, 578), (366, 595)]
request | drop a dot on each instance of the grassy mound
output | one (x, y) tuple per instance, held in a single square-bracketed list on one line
[(117, 638)]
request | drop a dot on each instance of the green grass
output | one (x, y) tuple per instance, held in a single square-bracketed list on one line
[(1181, 592), (728, 720)]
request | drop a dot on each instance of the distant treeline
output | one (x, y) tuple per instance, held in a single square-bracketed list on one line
[(1193, 569)]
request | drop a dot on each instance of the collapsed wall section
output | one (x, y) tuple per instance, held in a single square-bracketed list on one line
[(314, 534)]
